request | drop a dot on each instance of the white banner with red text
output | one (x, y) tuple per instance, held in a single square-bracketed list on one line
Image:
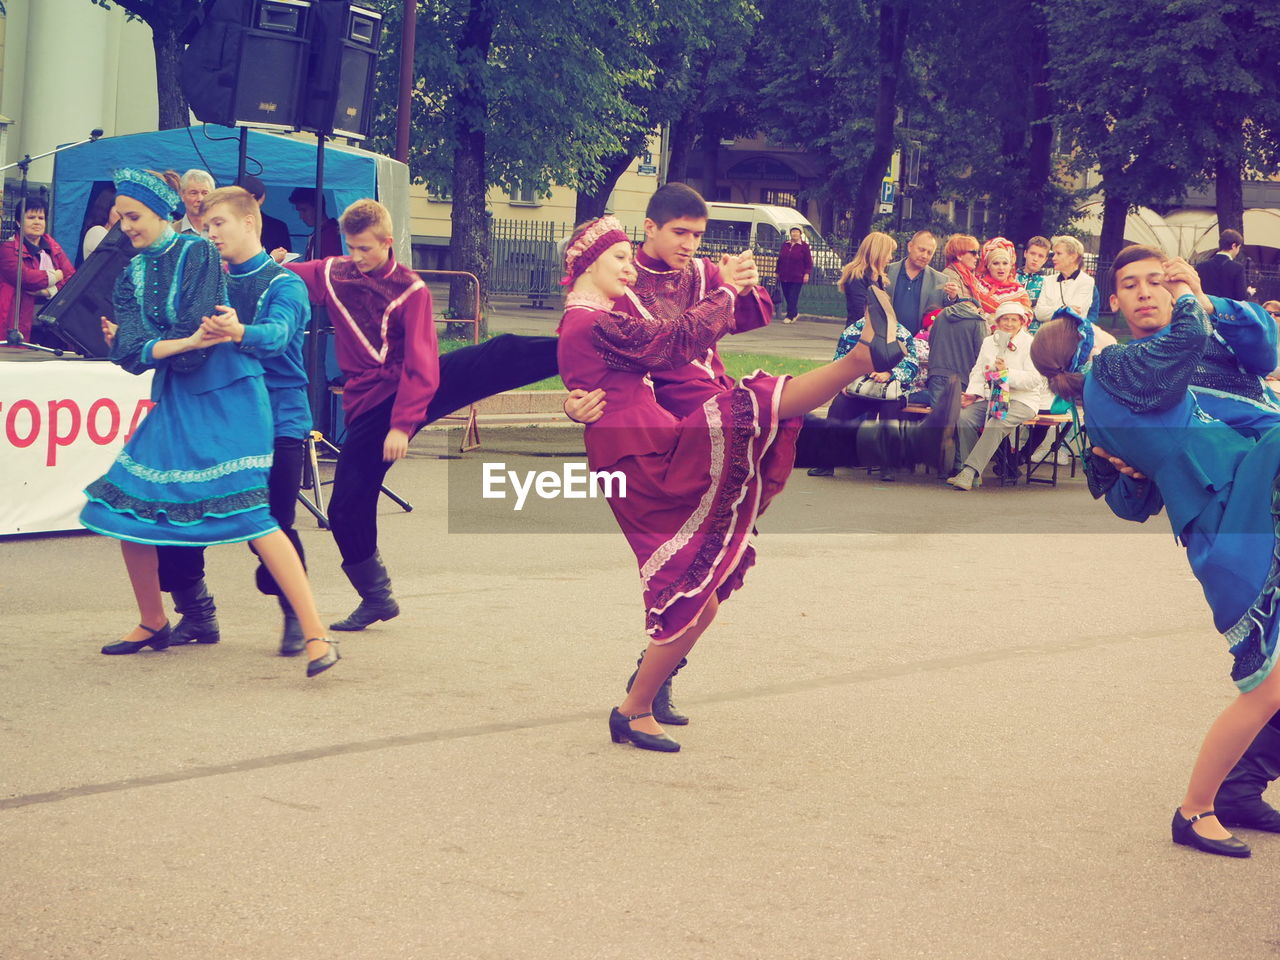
[(61, 425)]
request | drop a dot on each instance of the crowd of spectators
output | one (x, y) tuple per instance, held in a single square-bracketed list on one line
[(971, 322)]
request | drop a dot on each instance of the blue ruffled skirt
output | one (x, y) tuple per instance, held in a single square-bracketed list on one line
[(194, 473), (1234, 551)]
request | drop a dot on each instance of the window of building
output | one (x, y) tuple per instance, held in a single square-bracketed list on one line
[(525, 194), (781, 198)]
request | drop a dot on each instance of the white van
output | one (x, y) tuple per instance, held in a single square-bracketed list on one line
[(764, 227)]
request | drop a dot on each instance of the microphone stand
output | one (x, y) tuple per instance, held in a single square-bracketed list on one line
[(14, 338)]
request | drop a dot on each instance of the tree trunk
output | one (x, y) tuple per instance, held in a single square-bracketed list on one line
[(1115, 211), (174, 111), (682, 133), (1039, 171), (895, 16), (591, 203), (469, 245), (1228, 171), (710, 164)]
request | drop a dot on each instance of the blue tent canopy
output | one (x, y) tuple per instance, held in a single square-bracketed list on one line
[(281, 163)]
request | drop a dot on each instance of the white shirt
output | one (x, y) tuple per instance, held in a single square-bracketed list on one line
[(1075, 292), (1024, 385)]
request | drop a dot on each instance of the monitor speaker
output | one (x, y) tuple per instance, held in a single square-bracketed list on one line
[(344, 57), (74, 314), (247, 62)]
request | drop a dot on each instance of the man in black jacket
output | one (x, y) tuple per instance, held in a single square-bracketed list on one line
[(1220, 275)]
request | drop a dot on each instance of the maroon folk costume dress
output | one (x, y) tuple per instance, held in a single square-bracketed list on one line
[(694, 484)]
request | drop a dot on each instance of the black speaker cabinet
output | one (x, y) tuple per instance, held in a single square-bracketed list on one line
[(74, 313), (344, 60), (247, 62)]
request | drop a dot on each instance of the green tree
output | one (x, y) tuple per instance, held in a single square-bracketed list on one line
[(166, 18), (508, 94)]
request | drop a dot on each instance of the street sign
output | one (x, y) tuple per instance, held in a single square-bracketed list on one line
[(886, 191), (647, 170)]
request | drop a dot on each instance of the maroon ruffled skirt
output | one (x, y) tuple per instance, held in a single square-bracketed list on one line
[(690, 512)]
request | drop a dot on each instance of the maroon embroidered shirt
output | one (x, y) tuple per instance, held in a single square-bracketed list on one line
[(385, 336)]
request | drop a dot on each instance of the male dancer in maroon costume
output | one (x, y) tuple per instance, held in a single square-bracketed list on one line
[(396, 383), (671, 279)]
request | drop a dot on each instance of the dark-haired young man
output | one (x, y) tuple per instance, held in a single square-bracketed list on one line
[(1221, 275), (1228, 386), (671, 279)]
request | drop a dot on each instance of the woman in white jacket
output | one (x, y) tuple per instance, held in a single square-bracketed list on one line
[(1004, 391), (1070, 286)]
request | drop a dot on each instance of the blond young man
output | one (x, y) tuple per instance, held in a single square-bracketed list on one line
[(396, 383), (267, 317)]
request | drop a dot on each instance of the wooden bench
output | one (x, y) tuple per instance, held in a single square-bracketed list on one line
[(1059, 423)]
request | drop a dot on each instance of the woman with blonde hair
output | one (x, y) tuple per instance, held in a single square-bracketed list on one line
[(867, 269), (1070, 287)]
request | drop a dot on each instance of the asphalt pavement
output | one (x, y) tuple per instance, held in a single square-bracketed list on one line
[(932, 724)]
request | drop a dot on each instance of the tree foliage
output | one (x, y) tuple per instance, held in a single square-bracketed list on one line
[(166, 18)]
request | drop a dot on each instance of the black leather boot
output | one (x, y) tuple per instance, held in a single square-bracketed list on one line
[(199, 621), (292, 641), (825, 444), (1239, 802), (371, 581), (664, 710)]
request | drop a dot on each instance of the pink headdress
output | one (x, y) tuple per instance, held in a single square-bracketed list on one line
[(599, 236)]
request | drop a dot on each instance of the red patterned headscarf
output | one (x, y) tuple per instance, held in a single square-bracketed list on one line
[(598, 237), (1000, 291)]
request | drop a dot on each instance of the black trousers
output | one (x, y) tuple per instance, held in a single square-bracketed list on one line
[(466, 375), (183, 567), (791, 291)]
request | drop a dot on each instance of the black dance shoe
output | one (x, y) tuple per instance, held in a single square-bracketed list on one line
[(822, 471), (1185, 834), (665, 710), (159, 640), (620, 731), (886, 350), (320, 664)]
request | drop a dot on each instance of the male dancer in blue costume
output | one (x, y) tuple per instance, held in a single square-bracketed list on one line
[(267, 317), (1228, 385)]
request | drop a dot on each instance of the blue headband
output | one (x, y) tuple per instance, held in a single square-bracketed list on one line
[(149, 190), (1084, 330)]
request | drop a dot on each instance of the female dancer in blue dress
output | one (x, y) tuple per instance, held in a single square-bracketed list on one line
[(194, 473), (1219, 486)]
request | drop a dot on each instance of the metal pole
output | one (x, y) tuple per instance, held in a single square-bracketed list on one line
[(14, 338), (408, 47), (243, 159)]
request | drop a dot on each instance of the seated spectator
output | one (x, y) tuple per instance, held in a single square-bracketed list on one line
[(868, 267), (304, 201), (194, 186), (1070, 286), (275, 232), (102, 217), (1031, 275), (853, 407), (997, 269), (795, 262), (957, 333), (917, 289), (44, 269), (1004, 391)]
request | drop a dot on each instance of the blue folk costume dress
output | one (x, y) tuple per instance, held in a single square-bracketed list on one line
[(194, 473), (1218, 483)]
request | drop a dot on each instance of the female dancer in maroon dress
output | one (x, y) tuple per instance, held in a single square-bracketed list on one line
[(694, 485)]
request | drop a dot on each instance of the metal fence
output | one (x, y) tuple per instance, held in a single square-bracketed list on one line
[(527, 256)]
